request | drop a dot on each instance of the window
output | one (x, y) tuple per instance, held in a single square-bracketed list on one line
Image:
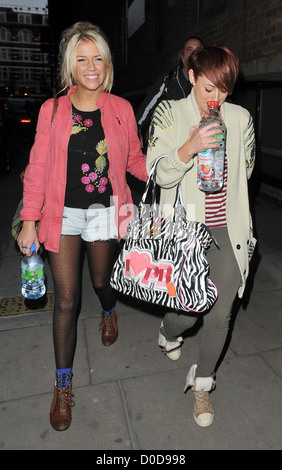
[(7, 53), (5, 34), (4, 73), (25, 36), (3, 53), (26, 19), (27, 74), (136, 16)]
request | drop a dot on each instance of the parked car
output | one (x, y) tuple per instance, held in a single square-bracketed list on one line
[(9, 135), (27, 112)]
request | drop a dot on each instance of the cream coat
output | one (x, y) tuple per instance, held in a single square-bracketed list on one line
[(170, 128)]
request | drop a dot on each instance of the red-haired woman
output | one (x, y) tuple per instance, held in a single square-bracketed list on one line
[(175, 132)]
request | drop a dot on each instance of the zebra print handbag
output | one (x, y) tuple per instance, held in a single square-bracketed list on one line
[(163, 259)]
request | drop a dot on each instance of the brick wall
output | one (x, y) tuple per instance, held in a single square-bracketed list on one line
[(263, 28), (253, 28), (154, 48)]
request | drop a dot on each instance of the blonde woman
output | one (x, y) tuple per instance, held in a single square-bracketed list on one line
[(75, 186)]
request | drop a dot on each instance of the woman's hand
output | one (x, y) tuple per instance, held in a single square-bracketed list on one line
[(28, 236), (199, 140)]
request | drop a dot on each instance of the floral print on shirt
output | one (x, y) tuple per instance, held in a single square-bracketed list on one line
[(78, 125), (92, 177)]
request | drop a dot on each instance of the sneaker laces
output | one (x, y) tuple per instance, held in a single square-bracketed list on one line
[(202, 402)]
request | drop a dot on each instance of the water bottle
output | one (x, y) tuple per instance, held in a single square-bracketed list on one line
[(32, 273), (210, 163)]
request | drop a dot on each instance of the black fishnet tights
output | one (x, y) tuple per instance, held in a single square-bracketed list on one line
[(65, 267)]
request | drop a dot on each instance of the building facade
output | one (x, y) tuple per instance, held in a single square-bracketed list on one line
[(146, 35), (253, 28), (24, 58)]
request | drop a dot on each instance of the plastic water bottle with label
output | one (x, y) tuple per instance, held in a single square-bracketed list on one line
[(32, 274), (210, 163)]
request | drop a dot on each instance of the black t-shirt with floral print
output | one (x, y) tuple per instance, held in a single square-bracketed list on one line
[(88, 179)]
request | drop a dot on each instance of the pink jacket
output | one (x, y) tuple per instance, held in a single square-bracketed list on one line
[(45, 176)]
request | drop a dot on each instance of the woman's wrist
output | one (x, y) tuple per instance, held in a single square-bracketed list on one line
[(28, 223), (185, 154)]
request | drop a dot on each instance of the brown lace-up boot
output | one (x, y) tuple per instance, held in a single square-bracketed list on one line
[(60, 413), (109, 328)]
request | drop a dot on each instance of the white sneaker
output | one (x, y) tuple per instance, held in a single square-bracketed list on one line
[(171, 348)]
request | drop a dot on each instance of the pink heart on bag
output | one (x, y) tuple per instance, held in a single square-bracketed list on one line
[(139, 261)]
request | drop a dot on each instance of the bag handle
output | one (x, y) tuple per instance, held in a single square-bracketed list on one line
[(152, 178)]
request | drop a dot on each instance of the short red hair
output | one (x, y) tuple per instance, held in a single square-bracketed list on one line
[(218, 63)]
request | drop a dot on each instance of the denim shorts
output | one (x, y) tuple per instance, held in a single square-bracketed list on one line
[(91, 224)]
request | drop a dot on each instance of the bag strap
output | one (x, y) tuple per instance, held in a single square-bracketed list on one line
[(54, 111), (152, 178)]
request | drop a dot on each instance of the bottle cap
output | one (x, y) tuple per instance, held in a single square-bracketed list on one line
[(212, 104), (32, 248)]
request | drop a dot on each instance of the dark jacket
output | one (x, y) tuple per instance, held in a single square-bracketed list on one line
[(173, 85)]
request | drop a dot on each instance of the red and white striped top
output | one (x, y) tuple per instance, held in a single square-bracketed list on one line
[(216, 204)]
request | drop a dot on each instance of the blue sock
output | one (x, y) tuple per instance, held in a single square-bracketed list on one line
[(107, 312), (63, 377)]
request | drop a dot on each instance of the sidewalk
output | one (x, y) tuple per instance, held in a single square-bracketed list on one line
[(130, 396)]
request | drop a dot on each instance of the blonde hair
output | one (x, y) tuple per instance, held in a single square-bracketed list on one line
[(71, 38)]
